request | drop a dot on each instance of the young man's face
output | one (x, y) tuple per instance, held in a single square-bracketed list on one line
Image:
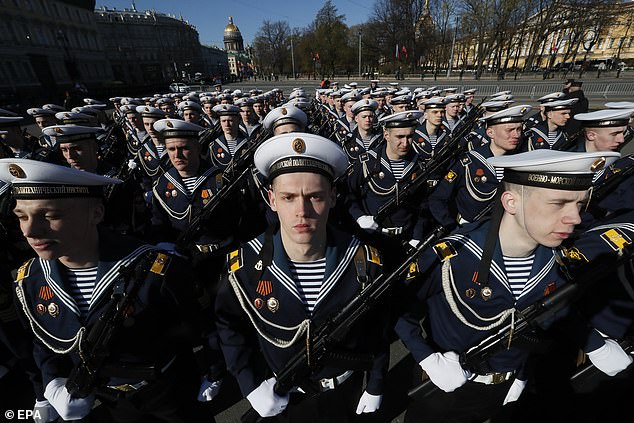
[(184, 154), (434, 116), (134, 120), (505, 136), (452, 109), (287, 128), (365, 119), (606, 139), (229, 125), (399, 141), (44, 121), (258, 108), (80, 155), (148, 123), (58, 227), (559, 117), (548, 216), (302, 201), (191, 115), (347, 107)]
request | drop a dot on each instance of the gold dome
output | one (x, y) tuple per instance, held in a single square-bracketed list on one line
[(231, 27)]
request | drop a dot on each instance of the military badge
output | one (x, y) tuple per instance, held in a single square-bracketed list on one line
[(53, 309), (16, 171), (470, 293), (258, 303), (299, 146), (451, 176), (479, 172), (273, 304), (40, 308), (46, 293), (486, 293)]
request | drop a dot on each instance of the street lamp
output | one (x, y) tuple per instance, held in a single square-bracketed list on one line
[(359, 53)]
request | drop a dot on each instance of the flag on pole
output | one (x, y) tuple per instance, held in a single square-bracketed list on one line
[(396, 55), (404, 51)]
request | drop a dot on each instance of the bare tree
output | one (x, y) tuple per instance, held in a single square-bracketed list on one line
[(271, 45)]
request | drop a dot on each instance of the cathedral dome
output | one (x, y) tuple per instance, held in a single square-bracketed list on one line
[(232, 31)]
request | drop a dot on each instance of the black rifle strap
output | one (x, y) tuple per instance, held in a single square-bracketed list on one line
[(491, 240)]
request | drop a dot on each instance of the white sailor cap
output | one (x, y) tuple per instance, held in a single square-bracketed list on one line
[(364, 91), (402, 91), (503, 97), (299, 102), (87, 110), (454, 98), (226, 110), (419, 89), (353, 84), (375, 81), (605, 118), (33, 179), (394, 84), (401, 99), (620, 105), (189, 105), (244, 102), (283, 115), (496, 106), (365, 104), (432, 88), (259, 99), (296, 94), (192, 98), (422, 95), (404, 119), (164, 100), (37, 111), (470, 91), (114, 100), (560, 104), (450, 90), (176, 128), (150, 112), (553, 169), (435, 103), (350, 96), (53, 107), (72, 117), (95, 103), (300, 152), (71, 133), (513, 114), (551, 97), (378, 93), (8, 118), (208, 99), (499, 93)]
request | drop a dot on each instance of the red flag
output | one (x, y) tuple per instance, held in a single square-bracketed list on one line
[(404, 51), (316, 56)]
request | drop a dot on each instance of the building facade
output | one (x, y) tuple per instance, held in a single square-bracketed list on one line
[(147, 47), (47, 46), (238, 57)]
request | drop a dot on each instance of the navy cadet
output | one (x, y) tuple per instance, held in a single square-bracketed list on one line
[(402, 102), (348, 100), (604, 130), (208, 103), (223, 149), (431, 135), (478, 135), (378, 176), (152, 155), (471, 182), (12, 139), (480, 282), (285, 283), (550, 134), (452, 111), (181, 192), (76, 281), (78, 145), (365, 136), (469, 107), (167, 105), (540, 117), (44, 118), (248, 121), (573, 91), (190, 111), (258, 107)]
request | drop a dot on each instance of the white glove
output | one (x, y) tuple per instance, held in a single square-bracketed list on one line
[(445, 371), (265, 401), (414, 242), (368, 223), (43, 412), (515, 391), (369, 403), (610, 358), (208, 390), (132, 164), (67, 407)]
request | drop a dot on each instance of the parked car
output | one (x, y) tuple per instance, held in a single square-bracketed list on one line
[(179, 87)]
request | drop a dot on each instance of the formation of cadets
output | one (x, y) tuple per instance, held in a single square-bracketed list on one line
[(164, 257)]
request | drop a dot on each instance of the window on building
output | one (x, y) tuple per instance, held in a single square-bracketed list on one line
[(611, 43)]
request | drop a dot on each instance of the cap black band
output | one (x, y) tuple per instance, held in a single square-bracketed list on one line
[(505, 119), (300, 164), (604, 123), (401, 124), (36, 191), (179, 134), (568, 182), (61, 139)]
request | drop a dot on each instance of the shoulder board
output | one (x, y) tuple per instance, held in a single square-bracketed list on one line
[(373, 255), (23, 271), (616, 239), (160, 264), (413, 271), (444, 250), (234, 259), (450, 176)]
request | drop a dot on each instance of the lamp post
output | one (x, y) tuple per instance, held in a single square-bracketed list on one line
[(293, 58), (359, 53)]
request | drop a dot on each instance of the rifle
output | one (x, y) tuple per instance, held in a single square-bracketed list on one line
[(116, 124), (94, 349), (209, 135), (525, 331), (446, 154), (235, 173), (319, 348)]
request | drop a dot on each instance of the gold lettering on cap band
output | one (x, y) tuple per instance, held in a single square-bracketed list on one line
[(300, 163), (50, 190)]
